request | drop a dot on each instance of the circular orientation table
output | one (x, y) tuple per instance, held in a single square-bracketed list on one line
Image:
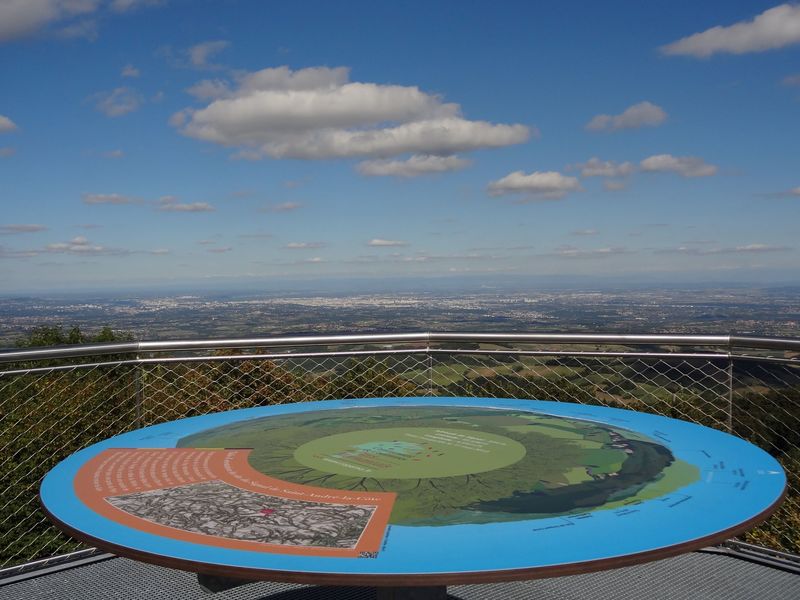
[(409, 492)]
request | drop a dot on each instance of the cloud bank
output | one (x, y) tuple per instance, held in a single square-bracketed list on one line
[(544, 184), (108, 199), (67, 18), (200, 54), (643, 114), (791, 80), (774, 28), (171, 204), (118, 102), (21, 228), (413, 167), (594, 167), (6, 124), (318, 113), (381, 243), (686, 166)]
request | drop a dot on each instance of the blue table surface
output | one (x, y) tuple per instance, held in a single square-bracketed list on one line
[(713, 504)]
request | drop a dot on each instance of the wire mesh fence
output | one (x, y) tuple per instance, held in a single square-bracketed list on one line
[(45, 415), (51, 408)]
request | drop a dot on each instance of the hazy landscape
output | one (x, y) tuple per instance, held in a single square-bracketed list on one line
[(159, 316)]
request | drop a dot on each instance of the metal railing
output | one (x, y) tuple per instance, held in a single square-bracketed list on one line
[(54, 401)]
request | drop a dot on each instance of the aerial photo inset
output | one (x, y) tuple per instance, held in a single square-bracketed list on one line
[(219, 509)]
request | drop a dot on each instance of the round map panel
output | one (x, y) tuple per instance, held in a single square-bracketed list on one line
[(452, 465), (456, 488)]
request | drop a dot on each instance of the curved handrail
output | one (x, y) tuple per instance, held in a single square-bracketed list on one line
[(423, 339)]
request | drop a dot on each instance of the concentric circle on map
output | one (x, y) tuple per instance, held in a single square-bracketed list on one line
[(410, 452)]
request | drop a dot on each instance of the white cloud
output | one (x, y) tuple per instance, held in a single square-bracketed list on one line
[(179, 118), (614, 186), (7, 124), (21, 228), (81, 246), (790, 193), (744, 249), (793, 80), (318, 113), (17, 254), (636, 116), (6, 151), (686, 166), (119, 101), (86, 29), (19, 18), (68, 18), (378, 242), (171, 204), (209, 89), (201, 54), (774, 28), (583, 232), (594, 167), (304, 245), (130, 71), (114, 154), (760, 248), (412, 167), (546, 184), (252, 155), (284, 79), (573, 252), (108, 199), (127, 5), (160, 251)]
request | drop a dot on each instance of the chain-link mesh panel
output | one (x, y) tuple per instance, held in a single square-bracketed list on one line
[(46, 415), (681, 388), (183, 389), (766, 412)]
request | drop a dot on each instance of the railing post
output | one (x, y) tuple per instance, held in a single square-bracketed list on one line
[(430, 365), (139, 375), (730, 389)]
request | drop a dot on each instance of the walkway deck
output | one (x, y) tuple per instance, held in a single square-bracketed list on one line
[(696, 575)]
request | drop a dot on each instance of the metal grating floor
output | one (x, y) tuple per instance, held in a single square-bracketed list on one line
[(695, 576)]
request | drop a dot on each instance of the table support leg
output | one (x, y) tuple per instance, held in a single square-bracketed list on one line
[(438, 592)]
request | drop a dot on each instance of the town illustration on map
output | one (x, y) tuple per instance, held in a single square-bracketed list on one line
[(216, 508)]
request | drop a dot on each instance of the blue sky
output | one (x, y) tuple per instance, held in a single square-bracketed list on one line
[(150, 142)]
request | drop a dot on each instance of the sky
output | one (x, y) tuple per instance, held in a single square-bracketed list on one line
[(152, 142)]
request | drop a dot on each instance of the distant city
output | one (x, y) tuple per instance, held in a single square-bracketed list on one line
[(744, 311)]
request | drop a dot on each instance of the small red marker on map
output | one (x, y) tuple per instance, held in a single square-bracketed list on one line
[(267, 511)]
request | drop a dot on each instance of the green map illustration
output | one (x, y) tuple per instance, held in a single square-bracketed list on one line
[(451, 465)]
